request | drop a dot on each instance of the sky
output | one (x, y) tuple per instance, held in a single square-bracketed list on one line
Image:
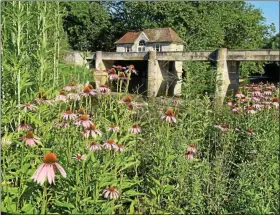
[(270, 11)]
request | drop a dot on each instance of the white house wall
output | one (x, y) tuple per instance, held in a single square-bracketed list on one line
[(166, 47)]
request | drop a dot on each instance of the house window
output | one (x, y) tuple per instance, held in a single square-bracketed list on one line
[(141, 46), (157, 47), (128, 48)]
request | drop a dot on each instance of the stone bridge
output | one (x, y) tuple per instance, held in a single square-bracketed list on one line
[(227, 62)]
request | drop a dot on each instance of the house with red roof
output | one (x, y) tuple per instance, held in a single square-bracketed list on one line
[(158, 39)]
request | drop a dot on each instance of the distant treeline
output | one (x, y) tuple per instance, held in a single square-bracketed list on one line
[(202, 25)]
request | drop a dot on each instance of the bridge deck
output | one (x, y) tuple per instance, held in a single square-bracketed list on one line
[(232, 55)]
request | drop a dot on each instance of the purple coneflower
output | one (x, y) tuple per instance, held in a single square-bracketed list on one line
[(126, 100), (69, 115), (177, 101), (229, 103), (84, 121), (120, 147), (30, 139), (113, 128), (73, 96), (94, 146), (267, 91), (257, 92), (275, 102), (61, 96), (135, 129), (28, 107), (87, 91), (250, 132), (131, 69), (23, 126), (111, 193), (61, 124), (104, 89), (110, 144), (239, 94), (191, 148), (223, 127), (91, 130), (250, 110), (169, 116), (80, 157), (189, 155), (70, 87), (46, 171)]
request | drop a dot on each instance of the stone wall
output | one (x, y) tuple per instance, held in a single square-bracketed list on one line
[(75, 57)]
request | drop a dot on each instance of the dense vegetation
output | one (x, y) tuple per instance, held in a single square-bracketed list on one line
[(173, 155)]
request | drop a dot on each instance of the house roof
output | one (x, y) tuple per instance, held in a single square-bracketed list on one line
[(154, 35)]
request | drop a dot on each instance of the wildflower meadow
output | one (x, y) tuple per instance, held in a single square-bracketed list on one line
[(70, 145)]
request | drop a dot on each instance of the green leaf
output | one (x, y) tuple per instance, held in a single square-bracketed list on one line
[(27, 208), (63, 204)]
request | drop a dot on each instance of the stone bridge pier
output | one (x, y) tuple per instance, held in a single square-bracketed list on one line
[(227, 75), (164, 77)]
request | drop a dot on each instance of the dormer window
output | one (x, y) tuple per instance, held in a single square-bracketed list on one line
[(141, 46), (158, 47)]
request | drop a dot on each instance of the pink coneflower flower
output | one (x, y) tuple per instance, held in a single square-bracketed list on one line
[(61, 124), (30, 139), (110, 144), (73, 96), (135, 129), (119, 67), (43, 99), (235, 110), (46, 171), (177, 101), (70, 87), (250, 132), (69, 115), (113, 76), (120, 147), (61, 96), (111, 193), (255, 98), (229, 103), (267, 91), (80, 157), (239, 94), (87, 91), (250, 110), (191, 148), (23, 126), (223, 127), (28, 107), (91, 130), (126, 100), (94, 146), (169, 116), (104, 89), (113, 128), (131, 69), (257, 93), (84, 121), (256, 106), (275, 102), (189, 155), (243, 99)]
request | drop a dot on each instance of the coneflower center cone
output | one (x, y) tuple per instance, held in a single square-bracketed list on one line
[(50, 158), (29, 135), (84, 117)]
